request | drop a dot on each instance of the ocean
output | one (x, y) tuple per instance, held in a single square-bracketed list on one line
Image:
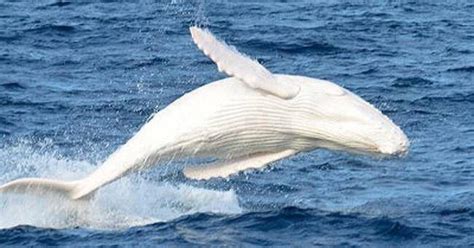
[(79, 78)]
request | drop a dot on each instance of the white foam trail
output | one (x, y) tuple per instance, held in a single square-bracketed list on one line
[(130, 201)]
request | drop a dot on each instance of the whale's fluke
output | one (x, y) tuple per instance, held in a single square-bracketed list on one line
[(235, 64), (40, 186)]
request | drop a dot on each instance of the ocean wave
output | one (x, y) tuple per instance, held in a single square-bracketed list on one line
[(411, 82), (12, 86), (299, 46), (451, 98), (457, 211), (462, 69), (51, 29), (282, 226), (59, 4)]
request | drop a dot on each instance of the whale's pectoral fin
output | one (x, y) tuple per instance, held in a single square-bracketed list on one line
[(227, 168), (40, 186), (235, 64)]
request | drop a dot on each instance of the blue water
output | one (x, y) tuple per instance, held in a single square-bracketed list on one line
[(79, 79)]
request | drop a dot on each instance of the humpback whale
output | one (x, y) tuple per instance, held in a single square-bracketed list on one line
[(247, 120)]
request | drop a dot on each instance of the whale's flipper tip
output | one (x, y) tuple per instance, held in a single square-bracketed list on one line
[(40, 186)]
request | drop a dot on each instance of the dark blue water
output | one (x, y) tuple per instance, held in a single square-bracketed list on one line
[(78, 79)]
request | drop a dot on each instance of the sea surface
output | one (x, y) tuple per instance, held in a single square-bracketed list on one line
[(79, 78)]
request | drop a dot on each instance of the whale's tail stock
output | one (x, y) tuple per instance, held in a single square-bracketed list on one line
[(82, 189), (116, 166)]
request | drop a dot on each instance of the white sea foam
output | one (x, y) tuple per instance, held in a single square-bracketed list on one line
[(128, 202)]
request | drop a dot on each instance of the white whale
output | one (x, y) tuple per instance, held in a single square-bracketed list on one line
[(248, 120)]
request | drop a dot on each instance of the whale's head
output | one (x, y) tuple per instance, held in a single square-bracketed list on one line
[(335, 118)]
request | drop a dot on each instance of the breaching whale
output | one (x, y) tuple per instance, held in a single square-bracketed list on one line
[(248, 120)]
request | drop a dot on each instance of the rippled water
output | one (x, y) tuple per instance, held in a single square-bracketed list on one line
[(78, 79)]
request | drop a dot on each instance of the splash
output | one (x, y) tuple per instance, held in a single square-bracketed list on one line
[(131, 201)]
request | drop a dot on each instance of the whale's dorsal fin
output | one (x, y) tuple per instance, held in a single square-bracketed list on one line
[(235, 64)]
